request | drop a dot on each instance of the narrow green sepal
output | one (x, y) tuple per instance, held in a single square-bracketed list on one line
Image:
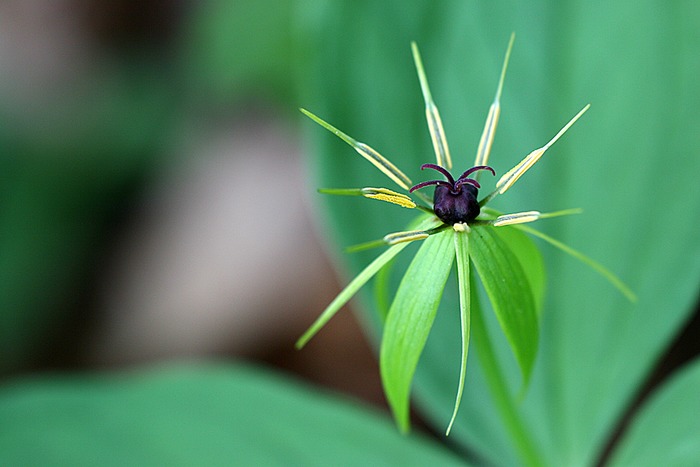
[(596, 266), (461, 239), (349, 291)]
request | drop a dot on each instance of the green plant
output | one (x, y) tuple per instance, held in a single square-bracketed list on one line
[(505, 262), (595, 349)]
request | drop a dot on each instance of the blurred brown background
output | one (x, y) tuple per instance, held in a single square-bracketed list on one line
[(154, 199)]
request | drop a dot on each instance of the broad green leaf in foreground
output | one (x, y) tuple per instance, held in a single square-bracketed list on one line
[(410, 318), (211, 415)]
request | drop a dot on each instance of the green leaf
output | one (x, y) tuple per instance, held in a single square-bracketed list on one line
[(667, 428), (464, 285), (196, 415), (530, 260), (410, 318), (510, 294)]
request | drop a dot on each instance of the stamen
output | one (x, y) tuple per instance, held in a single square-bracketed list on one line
[(516, 218), (437, 132), (409, 236), (482, 154), (384, 194)]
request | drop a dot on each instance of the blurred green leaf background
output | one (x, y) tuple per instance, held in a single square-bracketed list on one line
[(99, 100)]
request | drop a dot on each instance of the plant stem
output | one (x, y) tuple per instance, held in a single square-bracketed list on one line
[(505, 404)]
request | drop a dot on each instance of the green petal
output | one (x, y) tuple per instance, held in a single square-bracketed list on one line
[(462, 254), (510, 294), (384, 194), (596, 266), (348, 292), (516, 218), (410, 318)]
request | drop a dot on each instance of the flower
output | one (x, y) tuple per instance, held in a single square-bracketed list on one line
[(474, 240)]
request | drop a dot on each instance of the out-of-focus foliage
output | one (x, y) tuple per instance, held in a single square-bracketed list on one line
[(66, 173), (204, 415), (238, 49), (73, 160)]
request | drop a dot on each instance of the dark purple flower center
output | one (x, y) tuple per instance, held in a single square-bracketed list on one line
[(454, 201)]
